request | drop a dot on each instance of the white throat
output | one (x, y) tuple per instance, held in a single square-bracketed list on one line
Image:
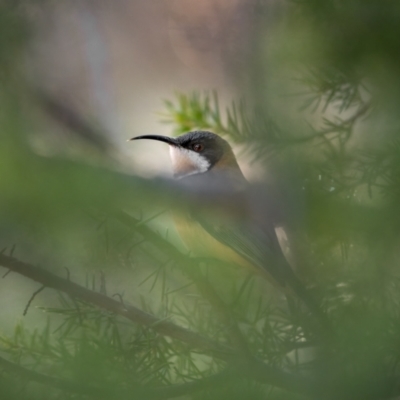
[(187, 162)]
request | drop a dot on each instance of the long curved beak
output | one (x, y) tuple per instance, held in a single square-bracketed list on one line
[(165, 139)]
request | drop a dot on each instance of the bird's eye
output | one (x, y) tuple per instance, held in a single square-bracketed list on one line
[(198, 147)]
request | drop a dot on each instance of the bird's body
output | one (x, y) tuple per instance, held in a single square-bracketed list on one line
[(202, 244), (228, 231)]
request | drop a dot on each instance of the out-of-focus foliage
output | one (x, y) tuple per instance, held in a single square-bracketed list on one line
[(149, 320)]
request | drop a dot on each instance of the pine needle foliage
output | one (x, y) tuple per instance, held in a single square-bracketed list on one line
[(117, 307)]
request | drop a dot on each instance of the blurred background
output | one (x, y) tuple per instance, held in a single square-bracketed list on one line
[(115, 65), (307, 92)]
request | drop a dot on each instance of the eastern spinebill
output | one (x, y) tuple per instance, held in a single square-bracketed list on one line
[(204, 158)]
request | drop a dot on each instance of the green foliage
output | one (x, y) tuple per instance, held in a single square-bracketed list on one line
[(237, 123), (125, 311)]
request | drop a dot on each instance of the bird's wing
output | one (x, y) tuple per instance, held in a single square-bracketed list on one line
[(221, 211), (256, 242), (260, 248)]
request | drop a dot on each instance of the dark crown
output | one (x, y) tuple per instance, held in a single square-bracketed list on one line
[(208, 144)]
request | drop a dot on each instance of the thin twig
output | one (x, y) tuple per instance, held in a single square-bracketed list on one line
[(7, 272), (32, 298)]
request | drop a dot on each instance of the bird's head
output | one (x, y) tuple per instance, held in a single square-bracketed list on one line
[(197, 152)]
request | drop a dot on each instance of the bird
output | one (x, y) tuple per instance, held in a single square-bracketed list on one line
[(203, 160)]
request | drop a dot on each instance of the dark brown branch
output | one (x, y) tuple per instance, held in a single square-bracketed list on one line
[(72, 120), (100, 300), (250, 367)]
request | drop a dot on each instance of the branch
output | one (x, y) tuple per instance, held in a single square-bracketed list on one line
[(249, 367), (102, 301), (73, 121)]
